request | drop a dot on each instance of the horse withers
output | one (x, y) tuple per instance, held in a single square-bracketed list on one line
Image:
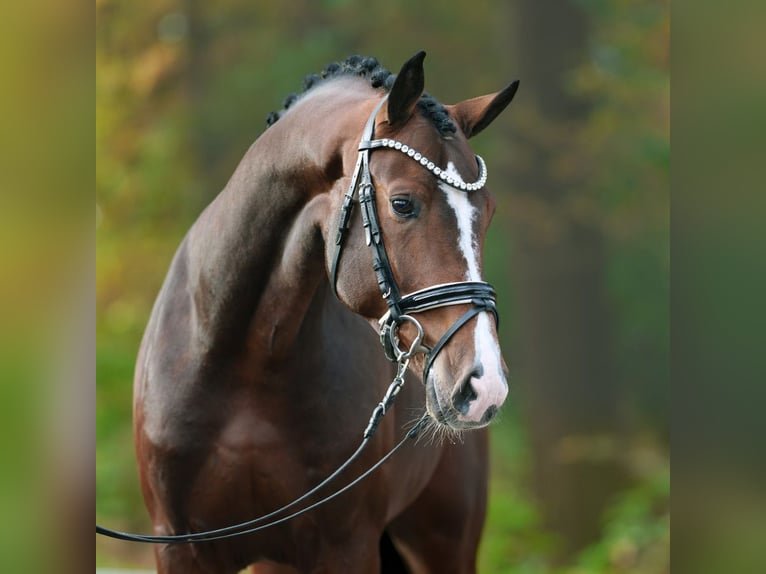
[(258, 368)]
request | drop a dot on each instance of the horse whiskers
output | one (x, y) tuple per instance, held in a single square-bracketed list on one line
[(417, 415), (435, 433)]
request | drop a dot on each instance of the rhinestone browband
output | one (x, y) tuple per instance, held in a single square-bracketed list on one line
[(429, 165)]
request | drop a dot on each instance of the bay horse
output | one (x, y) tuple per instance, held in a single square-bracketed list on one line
[(258, 367)]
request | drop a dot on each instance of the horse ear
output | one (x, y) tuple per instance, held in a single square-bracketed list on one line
[(476, 114), (407, 89)]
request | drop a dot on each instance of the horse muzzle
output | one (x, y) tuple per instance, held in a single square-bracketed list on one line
[(466, 389), (472, 403)]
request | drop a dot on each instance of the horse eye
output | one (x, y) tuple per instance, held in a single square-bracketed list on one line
[(403, 206)]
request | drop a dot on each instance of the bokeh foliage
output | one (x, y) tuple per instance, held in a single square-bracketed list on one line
[(183, 88)]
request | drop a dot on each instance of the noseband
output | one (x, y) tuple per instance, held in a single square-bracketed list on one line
[(478, 294)]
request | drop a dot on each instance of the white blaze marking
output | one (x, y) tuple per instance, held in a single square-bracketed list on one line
[(465, 213), (491, 388)]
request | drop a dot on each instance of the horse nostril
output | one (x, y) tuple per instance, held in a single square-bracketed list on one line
[(465, 393)]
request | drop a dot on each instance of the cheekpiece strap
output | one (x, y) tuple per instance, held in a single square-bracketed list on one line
[(361, 168)]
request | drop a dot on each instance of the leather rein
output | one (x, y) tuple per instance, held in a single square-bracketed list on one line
[(480, 295)]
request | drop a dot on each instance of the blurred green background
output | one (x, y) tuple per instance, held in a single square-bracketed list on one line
[(578, 250)]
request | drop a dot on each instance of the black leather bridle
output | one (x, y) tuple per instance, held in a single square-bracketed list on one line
[(480, 295)]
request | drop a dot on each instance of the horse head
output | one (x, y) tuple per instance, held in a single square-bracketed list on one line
[(427, 223)]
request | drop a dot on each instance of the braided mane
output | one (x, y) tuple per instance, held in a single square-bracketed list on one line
[(378, 77)]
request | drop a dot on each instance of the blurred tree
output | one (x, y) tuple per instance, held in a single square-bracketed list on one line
[(589, 221), (559, 266)]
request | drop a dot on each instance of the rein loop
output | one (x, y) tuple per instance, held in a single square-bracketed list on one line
[(250, 527)]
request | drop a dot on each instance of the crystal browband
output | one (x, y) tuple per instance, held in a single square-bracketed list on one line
[(429, 165)]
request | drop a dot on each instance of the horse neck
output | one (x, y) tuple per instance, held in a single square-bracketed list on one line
[(256, 254)]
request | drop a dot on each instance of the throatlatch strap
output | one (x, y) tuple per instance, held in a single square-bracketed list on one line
[(343, 223)]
